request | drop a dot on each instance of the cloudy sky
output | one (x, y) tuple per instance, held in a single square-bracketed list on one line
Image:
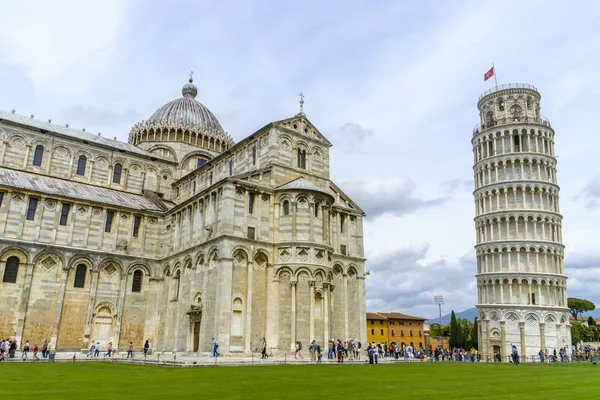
[(393, 85)]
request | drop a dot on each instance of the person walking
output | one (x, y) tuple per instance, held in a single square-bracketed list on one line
[(35, 351), (298, 350), (97, 350), (130, 351), (25, 351), (109, 348), (263, 350), (319, 354), (146, 347)]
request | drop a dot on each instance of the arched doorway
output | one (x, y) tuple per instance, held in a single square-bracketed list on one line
[(103, 324)]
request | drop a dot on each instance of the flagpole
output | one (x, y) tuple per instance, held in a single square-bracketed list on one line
[(495, 79)]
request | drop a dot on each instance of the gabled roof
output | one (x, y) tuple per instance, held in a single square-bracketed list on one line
[(303, 123), (76, 190), (397, 315), (301, 183), (336, 188), (376, 316)]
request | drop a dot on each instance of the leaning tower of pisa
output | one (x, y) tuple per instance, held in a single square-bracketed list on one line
[(521, 285)]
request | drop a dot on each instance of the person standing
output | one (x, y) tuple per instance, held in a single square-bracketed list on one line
[(319, 354), (215, 347), (45, 349), (541, 354), (146, 347), (263, 349), (340, 351), (130, 351), (515, 355)]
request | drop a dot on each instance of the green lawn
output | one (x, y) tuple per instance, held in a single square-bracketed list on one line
[(411, 381)]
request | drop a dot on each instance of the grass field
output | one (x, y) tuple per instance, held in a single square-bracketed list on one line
[(412, 381)]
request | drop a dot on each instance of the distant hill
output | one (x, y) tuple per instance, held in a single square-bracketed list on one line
[(471, 313)]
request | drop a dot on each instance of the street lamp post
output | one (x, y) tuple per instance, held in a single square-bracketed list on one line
[(439, 300)]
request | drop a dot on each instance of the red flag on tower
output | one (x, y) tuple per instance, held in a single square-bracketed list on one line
[(488, 74)]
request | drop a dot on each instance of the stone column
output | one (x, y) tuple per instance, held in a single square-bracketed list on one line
[(503, 350), (326, 334), (488, 346), (248, 313), (223, 304), (59, 307), (523, 348), (294, 216), (272, 316), (23, 303), (543, 335), (120, 307), (345, 306), (91, 305), (27, 149), (311, 305), (293, 282)]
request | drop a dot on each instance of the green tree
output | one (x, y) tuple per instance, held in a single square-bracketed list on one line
[(454, 331), (591, 321), (474, 335), (579, 333), (579, 306)]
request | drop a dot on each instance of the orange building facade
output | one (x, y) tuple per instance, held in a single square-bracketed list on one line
[(396, 327)]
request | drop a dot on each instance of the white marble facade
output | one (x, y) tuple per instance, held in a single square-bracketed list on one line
[(521, 283), (177, 237)]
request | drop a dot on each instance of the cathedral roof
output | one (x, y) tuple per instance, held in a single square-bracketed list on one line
[(186, 113), (302, 184), (71, 133), (77, 190)]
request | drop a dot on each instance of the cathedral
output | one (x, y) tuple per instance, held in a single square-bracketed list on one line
[(177, 237)]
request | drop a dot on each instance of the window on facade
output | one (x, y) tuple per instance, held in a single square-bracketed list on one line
[(31, 208), (380, 322), (81, 165), (490, 149), (411, 333), (237, 318), (38, 155), (200, 162), (372, 331), (230, 167), (401, 332), (516, 142), (343, 249), (136, 284), (302, 159), (381, 330), (409, 323), (286, 207), (11, 270), (501, 104), (251, 233), (342, 222), (1, 198), (137, 220), (391, 322), (532, 298), (371, 321), (80, 272), (64, 214), (420, 333), (117, 173), (316, 210), (176, 282), (251, 196), (254, 155), (392, 332), (109, 219)]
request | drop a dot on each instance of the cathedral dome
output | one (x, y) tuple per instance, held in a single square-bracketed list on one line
[(183, 120), (186, 111)]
